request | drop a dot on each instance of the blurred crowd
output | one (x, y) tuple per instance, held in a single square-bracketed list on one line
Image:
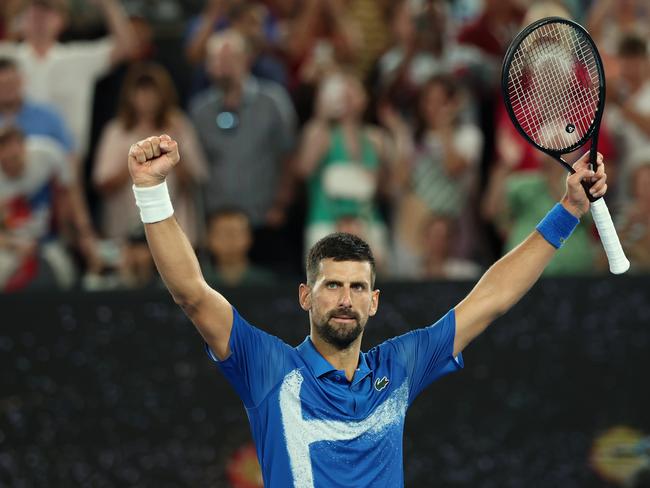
[(296, 118)]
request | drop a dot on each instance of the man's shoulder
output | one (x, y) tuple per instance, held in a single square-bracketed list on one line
[(271, 90)]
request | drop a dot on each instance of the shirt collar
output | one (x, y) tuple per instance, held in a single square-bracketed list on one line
[(321, 366)]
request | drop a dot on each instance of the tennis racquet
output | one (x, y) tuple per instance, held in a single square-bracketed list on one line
[(553, 85)]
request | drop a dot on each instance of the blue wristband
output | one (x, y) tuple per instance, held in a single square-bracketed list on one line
[(557, 226)]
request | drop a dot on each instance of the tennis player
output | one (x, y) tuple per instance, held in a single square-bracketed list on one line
[(325, 414)]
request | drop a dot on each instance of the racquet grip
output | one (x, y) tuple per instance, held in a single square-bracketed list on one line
[(618, 263)]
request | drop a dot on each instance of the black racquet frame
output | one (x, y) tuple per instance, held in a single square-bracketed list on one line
[(618, 263), (592, 131)]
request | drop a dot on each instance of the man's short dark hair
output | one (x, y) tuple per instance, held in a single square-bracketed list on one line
[(339, 247), (633, 46)]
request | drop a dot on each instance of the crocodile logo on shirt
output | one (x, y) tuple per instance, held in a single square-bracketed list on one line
[(382, 383)]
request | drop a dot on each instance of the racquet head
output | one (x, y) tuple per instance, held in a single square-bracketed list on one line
[(553, 85)]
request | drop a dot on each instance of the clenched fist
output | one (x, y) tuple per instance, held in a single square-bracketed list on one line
[(575, 200), (152, 159)]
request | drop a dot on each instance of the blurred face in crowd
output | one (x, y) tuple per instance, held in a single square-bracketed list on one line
[(10, 89), (634, 70), (137, 264), (229, 238), (146, 101), (227, 59), (12, 155), (43, 21)]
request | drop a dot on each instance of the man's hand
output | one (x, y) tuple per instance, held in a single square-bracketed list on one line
[(152, 159), (575, 200)]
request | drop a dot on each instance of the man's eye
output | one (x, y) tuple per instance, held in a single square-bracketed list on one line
[(359, 287), (332, 286)]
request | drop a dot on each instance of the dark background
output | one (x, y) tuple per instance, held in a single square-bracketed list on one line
[(115, 389)]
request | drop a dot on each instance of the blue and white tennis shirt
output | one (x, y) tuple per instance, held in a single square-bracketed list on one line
[(315, 429)]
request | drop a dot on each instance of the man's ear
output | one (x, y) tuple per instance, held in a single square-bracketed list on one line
[(374, 303), (304, 297)]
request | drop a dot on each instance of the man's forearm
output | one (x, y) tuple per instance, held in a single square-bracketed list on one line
[(514, 274), (176, 261)]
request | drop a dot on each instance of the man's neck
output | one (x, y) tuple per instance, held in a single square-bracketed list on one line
[(233, 94), (344, 360)]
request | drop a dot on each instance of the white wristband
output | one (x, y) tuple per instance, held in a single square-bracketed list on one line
[(154, 202)]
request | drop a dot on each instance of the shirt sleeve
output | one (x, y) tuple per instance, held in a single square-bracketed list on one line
[(257, 363), (427, 353), (91, 58)]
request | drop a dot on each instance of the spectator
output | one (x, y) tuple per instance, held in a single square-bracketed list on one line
[(449, 149), (64, 75), (136, 266), (628, 109), (229, 241), (148, 104), (248, 18), (32, 118), (422, 47), (372, 19), (341, 159), (494, 28), (444, 171), (35, 182), (515, 202), (253, 21), (610, 21), (35, 119), (247, 129), (321, 31), (439, 239), (634, 225)]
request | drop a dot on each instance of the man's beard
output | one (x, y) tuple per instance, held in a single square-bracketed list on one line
[(340, 336)]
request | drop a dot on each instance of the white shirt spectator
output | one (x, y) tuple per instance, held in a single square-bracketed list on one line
[(65, 78)]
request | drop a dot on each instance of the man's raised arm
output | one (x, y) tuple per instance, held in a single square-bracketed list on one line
[(511, 277), (150, 161)]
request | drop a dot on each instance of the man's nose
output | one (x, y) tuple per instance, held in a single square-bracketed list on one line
[(345, 299)]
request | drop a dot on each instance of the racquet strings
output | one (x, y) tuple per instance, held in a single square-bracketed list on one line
[(553, 86)]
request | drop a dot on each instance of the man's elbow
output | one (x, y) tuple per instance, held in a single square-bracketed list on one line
[(191, 297)]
